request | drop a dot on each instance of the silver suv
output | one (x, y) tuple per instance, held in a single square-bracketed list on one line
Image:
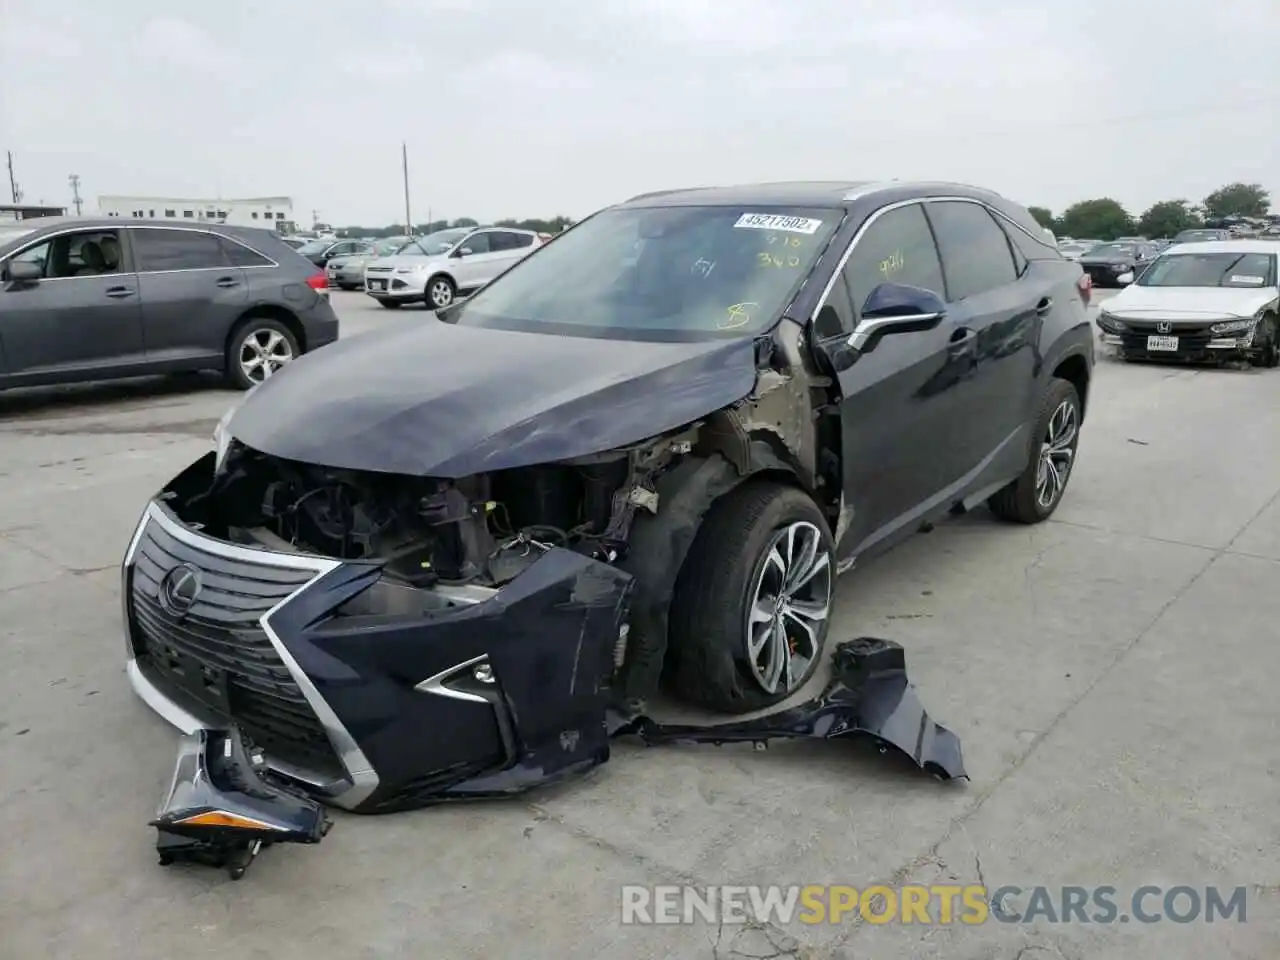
[(440, 267)]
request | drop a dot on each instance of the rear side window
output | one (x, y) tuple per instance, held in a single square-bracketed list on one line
[(975, 250), (241, 256), (898, 248), (159, 250), (502, 240)]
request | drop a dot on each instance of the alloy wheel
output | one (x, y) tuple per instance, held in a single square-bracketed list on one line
[(263, 352), (1057, 454), (790, 602), (440, 293)]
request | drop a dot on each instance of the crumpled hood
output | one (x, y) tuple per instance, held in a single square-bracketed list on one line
[(1190, 303), (434, 399)]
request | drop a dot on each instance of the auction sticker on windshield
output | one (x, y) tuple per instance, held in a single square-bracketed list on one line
[(1250, 279), (774, 221)]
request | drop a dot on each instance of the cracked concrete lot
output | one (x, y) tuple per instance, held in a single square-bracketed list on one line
[(1110, 673)]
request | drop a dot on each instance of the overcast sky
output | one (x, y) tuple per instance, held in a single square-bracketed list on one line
[(540, 107)]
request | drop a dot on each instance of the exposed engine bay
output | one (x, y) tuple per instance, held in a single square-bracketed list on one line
[(482, 530)]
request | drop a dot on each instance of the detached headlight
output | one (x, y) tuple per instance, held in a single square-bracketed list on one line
[(1234, 326), (1110, 324)]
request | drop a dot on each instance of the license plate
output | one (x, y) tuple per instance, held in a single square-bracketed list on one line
[(382, 285), (1168, 344)]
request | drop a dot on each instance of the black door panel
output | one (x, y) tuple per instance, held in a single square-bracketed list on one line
[(896, 408), (994, 295)]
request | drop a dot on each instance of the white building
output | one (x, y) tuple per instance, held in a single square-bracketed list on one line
[(272, 212)]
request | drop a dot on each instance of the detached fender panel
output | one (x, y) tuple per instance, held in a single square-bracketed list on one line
[(869, 695)]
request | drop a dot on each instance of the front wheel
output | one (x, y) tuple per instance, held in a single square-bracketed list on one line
[(751, 605), (440, 292), (258, 348), (1267, 352), (1037, 492)]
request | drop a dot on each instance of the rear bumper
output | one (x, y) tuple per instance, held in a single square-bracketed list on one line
[(320, 324), (368, 713)]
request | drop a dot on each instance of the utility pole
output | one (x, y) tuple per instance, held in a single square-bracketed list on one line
[(404, 162), (74, 180), (13, 183)]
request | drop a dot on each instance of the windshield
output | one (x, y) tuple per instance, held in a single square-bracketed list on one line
[(433, 244), (1211, 270), (1114, 250), (385, 248), (1196, 236), (659, 273), (315, 246), (11, 232)]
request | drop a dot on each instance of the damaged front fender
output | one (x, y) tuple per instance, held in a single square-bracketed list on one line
[(869, 695)]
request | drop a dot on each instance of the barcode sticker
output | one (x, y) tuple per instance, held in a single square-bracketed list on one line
[(775, 221)]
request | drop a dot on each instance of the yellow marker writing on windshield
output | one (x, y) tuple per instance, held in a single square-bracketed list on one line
[(738, 315)]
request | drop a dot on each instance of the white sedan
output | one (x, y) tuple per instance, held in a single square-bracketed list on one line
[(1200, 302)]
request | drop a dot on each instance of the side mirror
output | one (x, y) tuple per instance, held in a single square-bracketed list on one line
[(22, 272), (1125, 278), (896, 308), (464, 251)]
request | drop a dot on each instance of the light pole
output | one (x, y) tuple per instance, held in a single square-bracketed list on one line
[(404, 164)]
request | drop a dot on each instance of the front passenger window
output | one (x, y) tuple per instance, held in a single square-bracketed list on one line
[(896, 248), (476, 243)]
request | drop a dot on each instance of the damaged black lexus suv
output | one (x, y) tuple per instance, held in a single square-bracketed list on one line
[(419, 560)]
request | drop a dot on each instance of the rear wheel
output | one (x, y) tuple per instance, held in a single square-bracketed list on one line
[(258, 348), (751, 605), (1037, 492), (1267, 352)]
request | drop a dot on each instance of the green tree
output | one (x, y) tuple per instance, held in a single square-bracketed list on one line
[(1043, 217), (464, 222), (1167, 218), (1237, 200), (1101, 219)]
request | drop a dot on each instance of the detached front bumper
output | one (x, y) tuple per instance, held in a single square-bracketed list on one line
[(493, 692)]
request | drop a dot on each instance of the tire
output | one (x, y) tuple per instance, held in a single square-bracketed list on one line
[(1022, 501), (440, 292), (710, 662), (262, 339), (391, 304), (1267, 353)]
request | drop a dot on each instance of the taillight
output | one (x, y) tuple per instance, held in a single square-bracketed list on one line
[(318, 282), (1085, 286)]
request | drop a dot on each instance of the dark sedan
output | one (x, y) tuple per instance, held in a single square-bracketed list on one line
[(320, 252), (1117, 264), (418, 562), (84, 299)]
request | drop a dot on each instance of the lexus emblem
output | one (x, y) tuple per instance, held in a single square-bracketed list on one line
[(1164, 326), (179, 589)]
